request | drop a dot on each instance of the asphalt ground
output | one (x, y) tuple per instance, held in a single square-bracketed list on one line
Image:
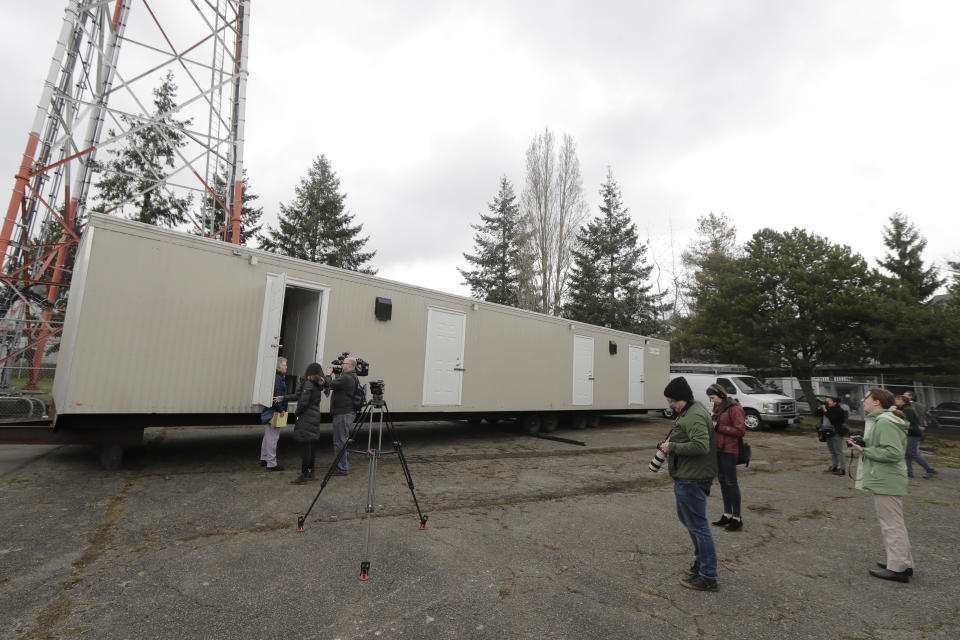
[(526, 538)]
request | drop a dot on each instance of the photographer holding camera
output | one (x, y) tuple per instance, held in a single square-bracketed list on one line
[(341, 409), (691, 449), (832, 430), (883, 472)]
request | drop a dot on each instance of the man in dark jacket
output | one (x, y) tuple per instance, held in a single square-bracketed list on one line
[(691, 449), (832, 418), (341, 409)]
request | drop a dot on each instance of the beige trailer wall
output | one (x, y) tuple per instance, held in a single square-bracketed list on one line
[(170, 323)]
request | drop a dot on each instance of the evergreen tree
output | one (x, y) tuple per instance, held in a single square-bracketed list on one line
[(316, 226), (953, 268), (249, 215), (904, 259), (497, 246), (132, 178), (607, 279)]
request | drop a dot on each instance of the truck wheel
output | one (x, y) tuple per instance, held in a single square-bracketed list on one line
[(752, 420), (593, 420), (111, 457), (578, 421), (530, 423), (549, 422)]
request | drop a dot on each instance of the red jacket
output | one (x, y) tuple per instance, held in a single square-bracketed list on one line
[(729, 425)]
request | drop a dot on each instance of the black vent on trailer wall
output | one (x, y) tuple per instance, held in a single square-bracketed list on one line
[(613, 348), (383, 308)]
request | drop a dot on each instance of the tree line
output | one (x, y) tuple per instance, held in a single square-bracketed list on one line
[(790, 299)]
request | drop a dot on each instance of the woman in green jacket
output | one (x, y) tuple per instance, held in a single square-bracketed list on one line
[(883, 473)]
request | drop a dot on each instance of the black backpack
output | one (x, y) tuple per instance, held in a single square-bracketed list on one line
[(359, 396)]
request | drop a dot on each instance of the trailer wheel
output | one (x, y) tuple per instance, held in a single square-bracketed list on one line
[(578, 421), (549, 422), (492, 420), (752, 420), (474, 422), (530, 423), (111, 457), (593, 420)]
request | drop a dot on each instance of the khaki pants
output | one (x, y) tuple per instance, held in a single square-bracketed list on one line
[(890, 515)]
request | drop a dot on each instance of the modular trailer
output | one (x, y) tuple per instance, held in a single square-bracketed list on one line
[(164, 328)]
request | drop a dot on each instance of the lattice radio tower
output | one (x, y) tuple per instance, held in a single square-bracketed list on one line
[(94, 101)]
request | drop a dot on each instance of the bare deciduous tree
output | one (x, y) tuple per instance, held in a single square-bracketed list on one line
[(554, 209)]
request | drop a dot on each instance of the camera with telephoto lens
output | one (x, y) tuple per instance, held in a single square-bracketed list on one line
[(658, 459), (857, 440), (363, 367), (376, 387)]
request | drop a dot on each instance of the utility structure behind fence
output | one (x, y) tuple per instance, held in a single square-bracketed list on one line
[(95, 101)]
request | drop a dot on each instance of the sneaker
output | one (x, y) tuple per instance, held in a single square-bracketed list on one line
[(829, 469), (839, 472), (722, 521), (694, 569), (930, 473), (341, 472), (735, 524), (300, 479), (700, 583), (276, 468)]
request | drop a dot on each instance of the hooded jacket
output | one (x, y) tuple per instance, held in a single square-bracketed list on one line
[(728, 422), (883, 469), (308, 412)]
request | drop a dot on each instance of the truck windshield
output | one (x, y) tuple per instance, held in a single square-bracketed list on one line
[(750, 384)]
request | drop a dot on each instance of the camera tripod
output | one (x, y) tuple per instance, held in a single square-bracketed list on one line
[(376, 405)]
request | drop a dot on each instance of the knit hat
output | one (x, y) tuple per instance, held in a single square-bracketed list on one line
[(679, 389), (313, 369)]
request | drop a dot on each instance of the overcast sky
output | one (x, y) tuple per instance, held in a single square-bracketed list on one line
[(827, 115)]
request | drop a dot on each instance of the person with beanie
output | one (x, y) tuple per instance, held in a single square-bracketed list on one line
[(691, 451), (729, 425), (307, 430)]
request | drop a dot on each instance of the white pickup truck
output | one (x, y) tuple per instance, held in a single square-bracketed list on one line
[(762, 406)]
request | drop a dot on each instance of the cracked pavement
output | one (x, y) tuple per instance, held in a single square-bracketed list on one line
[(526, 538)]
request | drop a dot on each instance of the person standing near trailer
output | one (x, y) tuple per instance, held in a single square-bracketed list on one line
[(728, 422), (307, 430), (344, 387), (271, 432), (914, 433), (691, 449)]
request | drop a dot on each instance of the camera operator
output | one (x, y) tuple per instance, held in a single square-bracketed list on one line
[(832, 419), (341, 409), (691, 449), (883, 472)]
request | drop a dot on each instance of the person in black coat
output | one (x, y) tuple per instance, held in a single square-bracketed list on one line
[(306, 432), (832, 420)]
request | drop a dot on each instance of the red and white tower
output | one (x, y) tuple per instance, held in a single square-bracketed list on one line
[(95, 99)]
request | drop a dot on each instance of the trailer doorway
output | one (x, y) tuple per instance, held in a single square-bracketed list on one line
[(293, 325)]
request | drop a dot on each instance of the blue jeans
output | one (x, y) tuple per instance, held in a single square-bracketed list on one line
[(692, 510), (341, 431), (913, 453)]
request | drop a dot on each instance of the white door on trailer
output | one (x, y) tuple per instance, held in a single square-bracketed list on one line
[(582, 370), (635, 375), (443, 367), (269, 339)]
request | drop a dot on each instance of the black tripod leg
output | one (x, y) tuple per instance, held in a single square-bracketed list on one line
[(398, 448), (354, 429)]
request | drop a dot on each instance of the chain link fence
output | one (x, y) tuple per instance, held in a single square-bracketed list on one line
[(940, 405), (28, 362)]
